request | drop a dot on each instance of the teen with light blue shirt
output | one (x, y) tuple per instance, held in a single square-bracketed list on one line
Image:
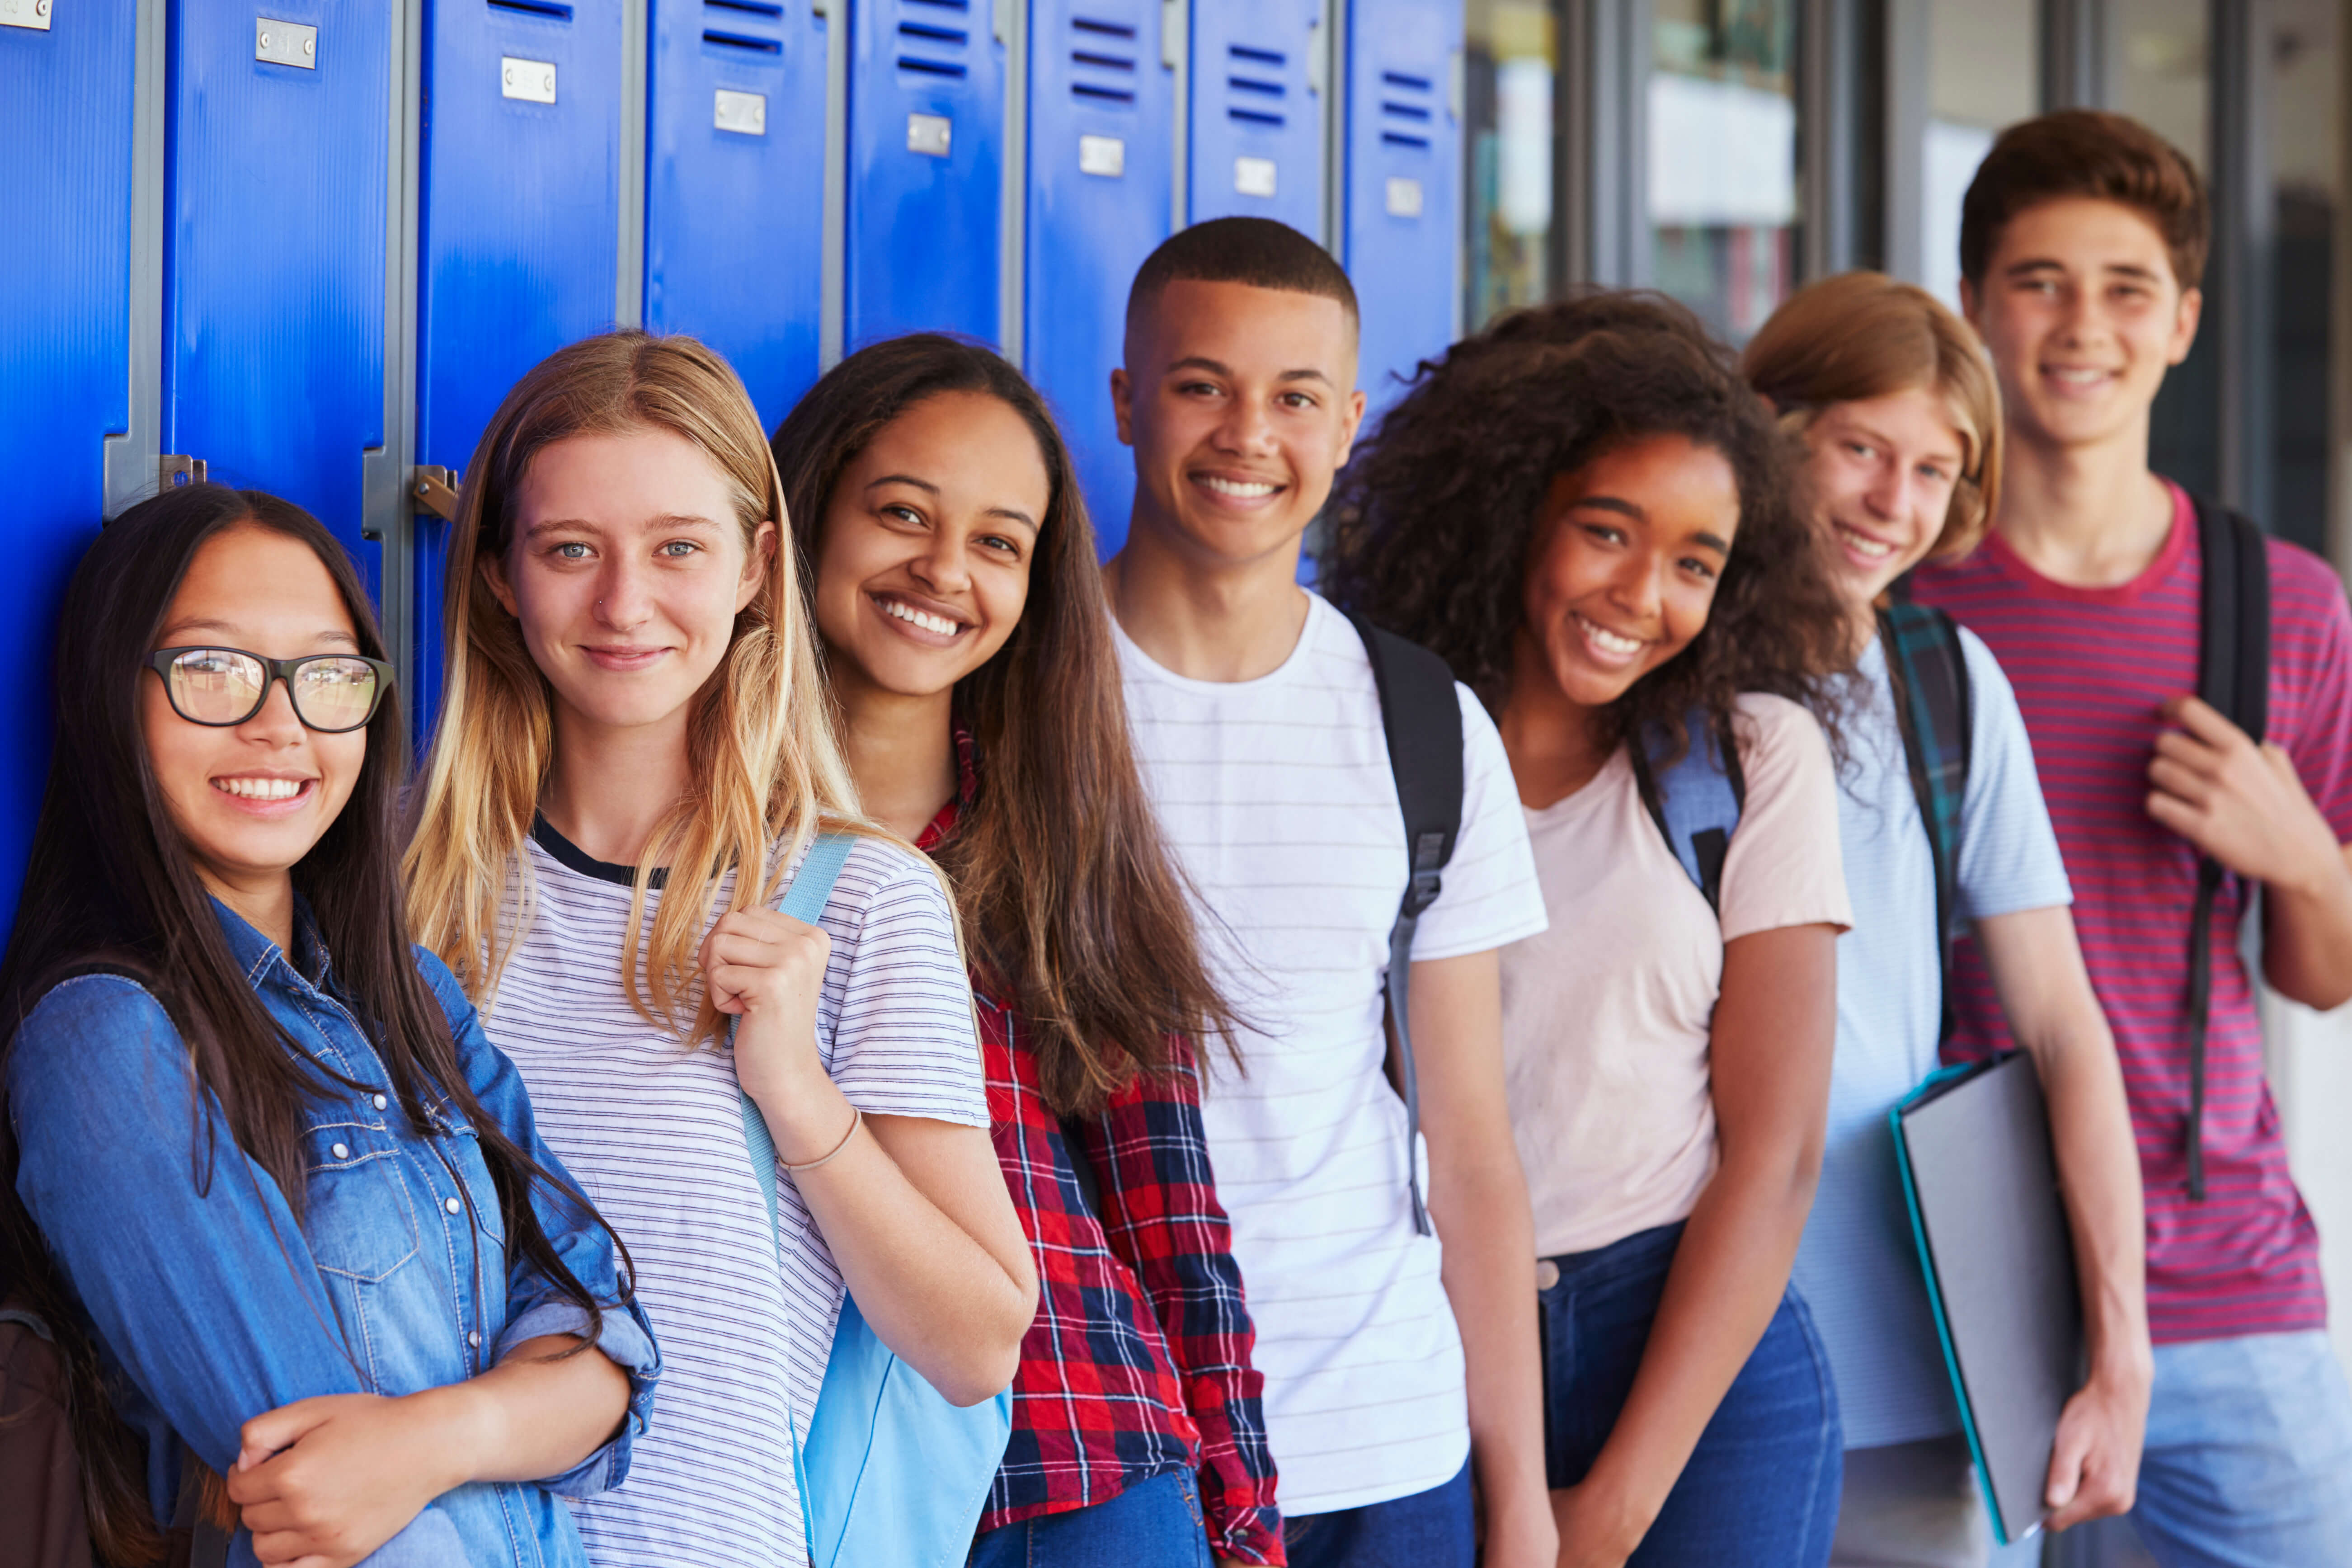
[(1900, 418)]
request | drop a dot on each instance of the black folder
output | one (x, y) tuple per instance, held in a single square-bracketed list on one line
[(1973, 1142)]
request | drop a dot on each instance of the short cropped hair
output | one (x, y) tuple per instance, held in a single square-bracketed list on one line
[(1257, 251), (2086, 153), (1863, 335)]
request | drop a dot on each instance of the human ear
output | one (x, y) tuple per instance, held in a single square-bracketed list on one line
[(1122, 404), (2184, 325), (756, 563), (493, 568)]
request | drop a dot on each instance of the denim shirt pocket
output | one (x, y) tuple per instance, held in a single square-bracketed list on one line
[(360, 1224)]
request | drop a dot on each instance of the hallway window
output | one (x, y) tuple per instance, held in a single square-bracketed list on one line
[(1723, 158), (1512, 63)]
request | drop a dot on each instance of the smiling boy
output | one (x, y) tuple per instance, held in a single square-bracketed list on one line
[(1389, 1362), (2082, 244)]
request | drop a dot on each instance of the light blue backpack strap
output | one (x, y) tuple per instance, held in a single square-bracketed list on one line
[(1697, 802)]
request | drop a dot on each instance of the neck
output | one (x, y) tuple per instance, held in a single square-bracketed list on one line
[(900, 749), (1553, 741), (2089, 514), (611, 786), (1205, 619), (1861, 625), (264, 900)]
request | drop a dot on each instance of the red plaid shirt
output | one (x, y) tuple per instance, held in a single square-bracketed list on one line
[(1139, 1363)]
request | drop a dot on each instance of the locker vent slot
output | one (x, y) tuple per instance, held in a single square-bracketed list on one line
[(554, 10), (1408, 110), (749, 7), (741, 41), (1102, 61), (1254, 86), (934, 45)]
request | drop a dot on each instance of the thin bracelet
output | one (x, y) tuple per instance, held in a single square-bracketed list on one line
[(856, 1117)]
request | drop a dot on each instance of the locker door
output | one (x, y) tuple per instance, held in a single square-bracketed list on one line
[(735, 186), (1101, 185), (1403, 184), (519, 227), (1255, 119), (926, 162), (273, 247), (64, 347)]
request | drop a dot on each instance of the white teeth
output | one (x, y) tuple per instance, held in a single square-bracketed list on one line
[(1245, 489), (2079, 378), (923, 618), (1865, 545), (260, 789), (1609, 641)]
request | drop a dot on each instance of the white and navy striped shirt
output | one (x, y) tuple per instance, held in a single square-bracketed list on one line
[(654, 1130)]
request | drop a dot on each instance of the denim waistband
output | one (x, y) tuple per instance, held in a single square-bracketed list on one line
[(1644, 1252)]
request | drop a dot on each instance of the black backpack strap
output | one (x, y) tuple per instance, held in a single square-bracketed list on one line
[(1935, 709), (1697, 802), (1421, 719), (2233, 671)]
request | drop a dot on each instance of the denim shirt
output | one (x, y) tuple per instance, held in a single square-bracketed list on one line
[(214, 1305)]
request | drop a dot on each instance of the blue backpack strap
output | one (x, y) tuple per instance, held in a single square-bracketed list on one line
[(804, 901), (1696, 801), (1935, 709)]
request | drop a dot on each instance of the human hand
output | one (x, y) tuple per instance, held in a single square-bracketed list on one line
[(767, 970), (1598, 1528), (2240, 802), (2095, 1464), (324, 1482)]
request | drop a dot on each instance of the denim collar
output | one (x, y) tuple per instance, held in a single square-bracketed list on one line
[(256, 954)]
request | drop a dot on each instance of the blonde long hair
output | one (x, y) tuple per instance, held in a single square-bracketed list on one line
[(766, 767), (1861, 336)]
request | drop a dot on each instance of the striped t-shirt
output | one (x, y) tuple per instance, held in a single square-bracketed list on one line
[(2090, 666), (654, 1130), (1277, 798)]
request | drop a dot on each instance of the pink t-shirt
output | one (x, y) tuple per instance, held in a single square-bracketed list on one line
[(1608, 1014)]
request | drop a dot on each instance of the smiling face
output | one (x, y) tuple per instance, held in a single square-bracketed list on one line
[(924, 555), (1240, 404), (2082, 314), (1881, 471), (1624, 565), (625, 571), (250, 800)]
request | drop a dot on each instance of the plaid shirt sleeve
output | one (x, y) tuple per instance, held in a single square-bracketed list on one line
[(1160, 1215)]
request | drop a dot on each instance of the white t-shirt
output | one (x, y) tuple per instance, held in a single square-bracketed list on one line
[(1858, 1265), (1609, 1015), (1277, 798), (653, 1131)]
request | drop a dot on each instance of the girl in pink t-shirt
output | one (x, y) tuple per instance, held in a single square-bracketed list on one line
[(1587, 514)]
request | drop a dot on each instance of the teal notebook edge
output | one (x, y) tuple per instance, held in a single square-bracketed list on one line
[(1929, 1087)]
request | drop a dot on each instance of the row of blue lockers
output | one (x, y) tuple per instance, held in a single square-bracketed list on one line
[(309, 244)]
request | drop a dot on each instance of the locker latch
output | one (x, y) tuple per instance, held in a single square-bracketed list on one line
[(436, 489), (33, 13), (173, 471), (277, 42)]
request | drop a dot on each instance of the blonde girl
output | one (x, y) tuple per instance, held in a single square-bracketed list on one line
[(632, 757)]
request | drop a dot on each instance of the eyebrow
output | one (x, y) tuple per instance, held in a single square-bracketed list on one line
[(2051, 264), (1956, 452), (924, 484), (1011, 513), (180, 628), (1217, 367), (580, 525), (1623, 508)]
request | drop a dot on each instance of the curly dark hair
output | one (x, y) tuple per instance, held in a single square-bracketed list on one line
[(1433, 521)]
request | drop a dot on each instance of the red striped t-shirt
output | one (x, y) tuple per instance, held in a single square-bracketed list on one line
[(2090, 666)]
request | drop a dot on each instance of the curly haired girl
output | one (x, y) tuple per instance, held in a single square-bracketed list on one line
[(1587, 512)]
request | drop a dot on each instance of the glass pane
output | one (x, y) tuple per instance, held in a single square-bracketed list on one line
[(1723, 158), (1984, 70), (1512, 60), (2306, 137), (2159, 72)]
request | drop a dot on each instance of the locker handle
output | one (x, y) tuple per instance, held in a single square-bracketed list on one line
[(436, 489), (173, 470), (1319, 60)]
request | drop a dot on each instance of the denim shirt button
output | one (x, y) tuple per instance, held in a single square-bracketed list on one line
[(381, 1103), (454, 1206), (341, 1151), (475, 1339)]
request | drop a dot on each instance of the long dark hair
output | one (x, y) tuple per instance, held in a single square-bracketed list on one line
[(1069, 897), (1433, 518), (111, 887)]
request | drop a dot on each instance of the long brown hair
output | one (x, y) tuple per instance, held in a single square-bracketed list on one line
[(111, 888), (1433, 518), (1070, 902), (765, 765), (1863, 335)]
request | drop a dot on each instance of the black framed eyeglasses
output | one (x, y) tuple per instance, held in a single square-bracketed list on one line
[(333, 692)]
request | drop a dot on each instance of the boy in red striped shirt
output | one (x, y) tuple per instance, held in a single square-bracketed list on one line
[(2082, 244)]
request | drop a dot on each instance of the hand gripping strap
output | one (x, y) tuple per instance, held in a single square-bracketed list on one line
[(1422, 719), (804, 901), (2233, 668)]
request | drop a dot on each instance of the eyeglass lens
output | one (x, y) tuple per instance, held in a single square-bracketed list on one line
[(222, 685)]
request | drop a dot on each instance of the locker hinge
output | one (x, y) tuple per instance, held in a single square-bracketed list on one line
[(173, 471), (1003, 21), (820, 7), (1171, 33), (1319, 60), (436, 489)]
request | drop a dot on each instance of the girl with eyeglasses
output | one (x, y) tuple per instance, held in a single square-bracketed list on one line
[(281, 1207)]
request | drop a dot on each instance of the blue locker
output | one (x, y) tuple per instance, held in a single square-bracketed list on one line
[(273, 247), (1101, 186), (735, 186), (926, 163), (519, 227), (1255, 119), (1404, 185), (65, 346)]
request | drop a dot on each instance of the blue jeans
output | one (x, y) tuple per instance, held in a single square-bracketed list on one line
[(2248, 1463), (1428, 1530), (1762, 1485), (1154, 1523)]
